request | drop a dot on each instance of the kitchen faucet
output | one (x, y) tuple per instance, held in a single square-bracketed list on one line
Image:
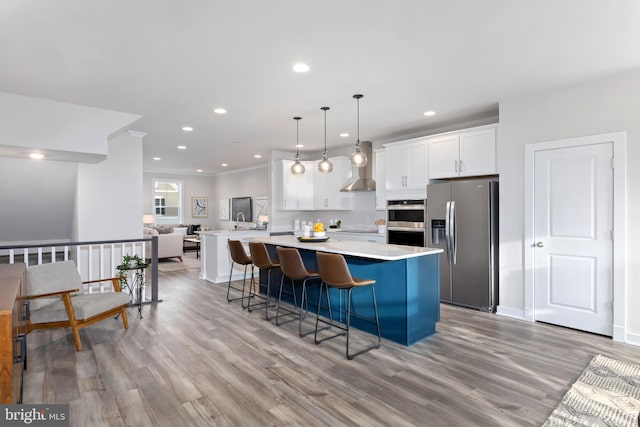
[(238, 218)]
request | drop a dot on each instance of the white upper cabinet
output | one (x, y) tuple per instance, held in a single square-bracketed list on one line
[(471, 152), (406, 165), (478, 152), (379, 177), (297, 190), (326, 186)]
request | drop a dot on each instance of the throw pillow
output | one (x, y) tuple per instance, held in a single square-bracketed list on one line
[(164, 230)]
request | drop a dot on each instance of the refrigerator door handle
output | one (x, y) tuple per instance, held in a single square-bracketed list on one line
[(454, 234), (447, 231)]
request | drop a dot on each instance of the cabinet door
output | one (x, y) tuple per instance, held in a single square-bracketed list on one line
[(417, 166), (305, 187), (395, 167), (326, 187), (379, 176), (444, 156), (478, 152), (289, 187)]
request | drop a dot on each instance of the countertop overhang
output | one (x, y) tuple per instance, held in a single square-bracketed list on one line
[(369, 250)]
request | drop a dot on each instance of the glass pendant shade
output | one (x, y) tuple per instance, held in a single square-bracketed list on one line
[(358, 158), (325, 165), (297, 168)]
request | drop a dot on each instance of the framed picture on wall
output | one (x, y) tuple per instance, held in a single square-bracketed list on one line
[(199, 207)]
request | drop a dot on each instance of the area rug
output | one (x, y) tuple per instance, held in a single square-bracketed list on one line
[(174, 264), (606, 394)]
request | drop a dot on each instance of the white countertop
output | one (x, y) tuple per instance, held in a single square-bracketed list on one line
[(370, 250), (241, 231)]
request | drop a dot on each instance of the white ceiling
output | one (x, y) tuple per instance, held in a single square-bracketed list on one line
[(173, 62)]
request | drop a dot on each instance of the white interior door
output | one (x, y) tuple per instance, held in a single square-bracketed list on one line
[(573, 247)]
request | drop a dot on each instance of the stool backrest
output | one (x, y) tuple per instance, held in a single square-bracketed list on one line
[(291, 263), (260, 255), (333, 269), (238, 254)]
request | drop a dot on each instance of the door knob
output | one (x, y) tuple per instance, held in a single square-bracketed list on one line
[(540, 244)]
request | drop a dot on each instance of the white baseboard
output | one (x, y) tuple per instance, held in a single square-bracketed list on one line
[(510, 312), (633, 339)]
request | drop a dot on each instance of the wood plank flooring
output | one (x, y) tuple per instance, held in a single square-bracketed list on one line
[(196, 360)]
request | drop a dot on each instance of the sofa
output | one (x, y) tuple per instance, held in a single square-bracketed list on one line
[(170, 242)]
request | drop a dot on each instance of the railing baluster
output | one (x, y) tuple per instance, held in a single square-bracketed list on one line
[(101, 251)]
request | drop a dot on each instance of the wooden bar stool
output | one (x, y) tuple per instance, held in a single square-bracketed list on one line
[(263, 261), (335, 273), (293, 269), (238, 256)]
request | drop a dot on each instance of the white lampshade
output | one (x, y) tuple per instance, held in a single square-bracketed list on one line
[(148, 219)]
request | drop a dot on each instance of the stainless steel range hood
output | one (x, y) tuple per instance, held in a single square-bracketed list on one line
[(365, 180)]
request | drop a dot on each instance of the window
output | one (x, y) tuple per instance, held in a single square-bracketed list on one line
[(167, 201)]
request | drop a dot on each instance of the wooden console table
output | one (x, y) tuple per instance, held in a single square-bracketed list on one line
[(13, 332)]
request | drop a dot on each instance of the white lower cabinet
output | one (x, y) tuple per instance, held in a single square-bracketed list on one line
[(358, 237), (215, 260)]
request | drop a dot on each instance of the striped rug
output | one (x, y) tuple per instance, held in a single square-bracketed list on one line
[(606, 394)]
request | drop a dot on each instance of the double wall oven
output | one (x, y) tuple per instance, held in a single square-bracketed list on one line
[(406, 222)]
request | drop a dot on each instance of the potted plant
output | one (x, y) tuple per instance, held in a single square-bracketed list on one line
[(130, 262)]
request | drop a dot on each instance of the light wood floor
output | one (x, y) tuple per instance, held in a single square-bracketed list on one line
[(196, 360)]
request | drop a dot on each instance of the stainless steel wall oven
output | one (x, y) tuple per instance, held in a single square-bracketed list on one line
[(406, 222)]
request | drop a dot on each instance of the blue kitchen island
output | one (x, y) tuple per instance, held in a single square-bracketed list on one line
[(407, 284)]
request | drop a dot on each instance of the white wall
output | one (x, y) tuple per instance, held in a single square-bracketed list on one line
[(109, 194), (193, 186), (61, 130), (601, 106), (36, 200), (249, 182)]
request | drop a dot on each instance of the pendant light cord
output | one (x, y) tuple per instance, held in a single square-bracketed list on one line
[(358, 120)]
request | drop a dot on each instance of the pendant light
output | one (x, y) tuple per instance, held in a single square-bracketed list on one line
[(297, 168), (358, 158), (325, 166)]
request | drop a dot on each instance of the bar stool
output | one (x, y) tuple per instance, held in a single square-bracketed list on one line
[(238, 256), (335, 273), (293, 269), (263, 261)]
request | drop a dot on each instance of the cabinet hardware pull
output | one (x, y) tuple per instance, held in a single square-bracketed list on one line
[(22, 356), (26, 314)]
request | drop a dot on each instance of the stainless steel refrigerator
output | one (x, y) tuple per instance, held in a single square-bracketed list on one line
[(462, 219)]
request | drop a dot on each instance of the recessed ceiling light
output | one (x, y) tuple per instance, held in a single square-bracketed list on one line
[(187, 128), (257, 156), (344, 134), (430, 113), (157, 158), (36, 156), (182, 147), (198, 170), (299, 145), (301, 67), (220, 111), (224, 165)]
